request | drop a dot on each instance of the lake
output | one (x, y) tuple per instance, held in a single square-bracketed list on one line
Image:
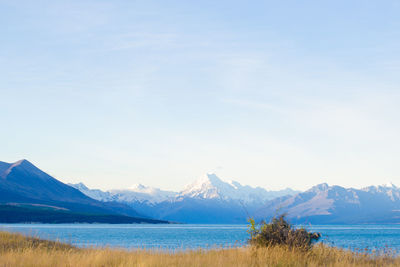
[(184, 236)]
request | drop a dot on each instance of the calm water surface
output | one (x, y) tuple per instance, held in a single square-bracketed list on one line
[(185, 236)]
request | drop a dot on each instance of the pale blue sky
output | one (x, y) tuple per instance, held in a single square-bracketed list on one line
[(270, 93)]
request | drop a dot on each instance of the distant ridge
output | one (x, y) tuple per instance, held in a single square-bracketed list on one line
[(335, 204), (212, 200)]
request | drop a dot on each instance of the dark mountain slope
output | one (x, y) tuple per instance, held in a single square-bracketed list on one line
[(20, 213), (22, 182)]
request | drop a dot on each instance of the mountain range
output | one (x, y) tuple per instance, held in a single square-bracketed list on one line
[(27, 194), (207, 200), (212, 200), (209, 186), (326, 204)]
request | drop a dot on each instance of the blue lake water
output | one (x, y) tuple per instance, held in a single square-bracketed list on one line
[(184, 236)]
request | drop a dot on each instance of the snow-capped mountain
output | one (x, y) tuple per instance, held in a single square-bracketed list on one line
[(142, 193), (390, 190), (212, 200), (211, 187), (136, 193), (93, 193), (207, 200), (335, 204)]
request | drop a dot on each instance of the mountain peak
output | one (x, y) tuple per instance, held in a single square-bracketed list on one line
[(8, 167), (389, 185), (207, 186), (22, 160), (211, 178), (210, 186), (139, 192), (381, 188), (19, 162), (320, 187), (80, 186), (23, 163), (138, 187)]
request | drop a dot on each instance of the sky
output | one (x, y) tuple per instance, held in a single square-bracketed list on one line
[(268, 93)]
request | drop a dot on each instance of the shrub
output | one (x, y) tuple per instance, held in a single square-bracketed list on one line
[(280, 232)]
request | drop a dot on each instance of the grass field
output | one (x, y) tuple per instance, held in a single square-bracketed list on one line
[(19, 250)]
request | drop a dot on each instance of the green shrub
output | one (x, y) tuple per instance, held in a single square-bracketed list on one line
[(280, 232)]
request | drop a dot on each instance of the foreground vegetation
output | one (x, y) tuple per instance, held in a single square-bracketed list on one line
[(280, 232), (19, 250)]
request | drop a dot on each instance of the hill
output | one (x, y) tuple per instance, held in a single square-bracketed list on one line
[(23, 183)]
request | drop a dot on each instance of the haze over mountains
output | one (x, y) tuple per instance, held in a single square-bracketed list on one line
[(28, 194)]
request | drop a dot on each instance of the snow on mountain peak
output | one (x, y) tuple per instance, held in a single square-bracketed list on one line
[(143, 189), (380, 188), (203, 187), (210, 186), (137, 187), (139, 192), (319, 187), (93, 193), (392, 191), (389, 185), (80, 186)]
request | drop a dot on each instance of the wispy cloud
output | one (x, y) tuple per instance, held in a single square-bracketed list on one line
[(145, 40)]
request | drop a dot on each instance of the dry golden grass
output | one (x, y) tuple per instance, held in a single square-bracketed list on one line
[(18, 250)]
